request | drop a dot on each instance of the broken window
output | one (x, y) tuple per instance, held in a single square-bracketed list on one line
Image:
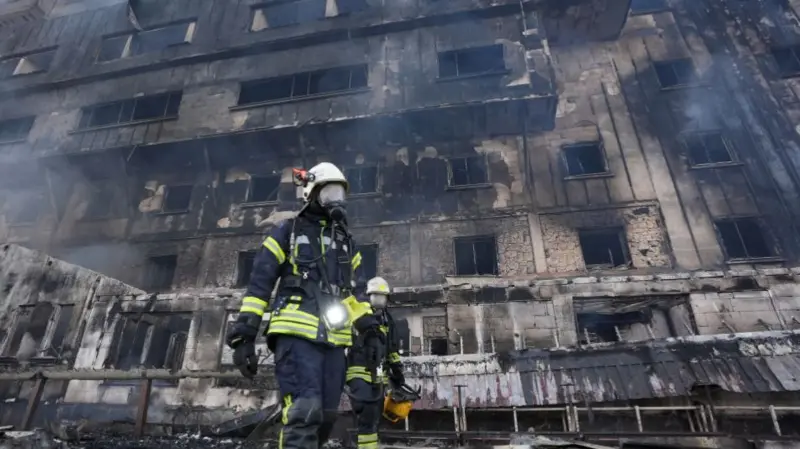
[(472, 61), (151, 107), (604, 248), (706, 148), (471, 170), (438, 346), (305, 84), (101, 200), (369, 259), (151, 340), (245, 268), (743, 238), (160, 272), (56, 345), (788, 60), (15, 129), (647, 6), (675, 73), (30, 330), (630, 319), (287, 13), (27, 64), (178, 199), (476, 255), (584, 159), (362, 179), (264, 189), (148, 41)]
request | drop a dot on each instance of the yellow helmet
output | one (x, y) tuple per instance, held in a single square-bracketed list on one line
[(399, 401)]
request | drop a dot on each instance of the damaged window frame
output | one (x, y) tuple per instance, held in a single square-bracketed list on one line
[(594, 146), (172, 101), (297, 80), (701, 136), (494, 65), (178, 210), (755, 222), (18, 129), (648, 7), (131, 48), (56, 327), (618, 233), (670, 64), (472, 240), (467, 160), (26, 63), (373, 248), (174, 355), (623, 312), (787, 60), (354, 176), (261, 13), (248, 200)]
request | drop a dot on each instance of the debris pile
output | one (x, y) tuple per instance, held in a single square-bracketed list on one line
[(41, 439)]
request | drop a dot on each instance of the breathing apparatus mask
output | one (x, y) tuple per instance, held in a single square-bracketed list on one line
[(332, 198), (378, 300)]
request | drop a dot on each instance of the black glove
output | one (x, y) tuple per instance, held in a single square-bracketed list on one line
[(242, 340), (366, 324), (396, 375)]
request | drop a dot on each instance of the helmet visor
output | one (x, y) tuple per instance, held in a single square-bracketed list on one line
[(331, 193)]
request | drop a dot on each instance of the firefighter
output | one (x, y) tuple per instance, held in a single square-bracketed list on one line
[(319, 300), (369, 357)]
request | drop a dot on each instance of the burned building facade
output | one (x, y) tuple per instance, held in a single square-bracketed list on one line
[(533, 177)]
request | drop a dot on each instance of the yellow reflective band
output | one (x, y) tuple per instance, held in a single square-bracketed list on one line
[(248, 309), (275, 248), (394, 358), (255, 302), (287, 404), (368, 438), (368, 445), (356, 260), (357, 369), (384, 329)]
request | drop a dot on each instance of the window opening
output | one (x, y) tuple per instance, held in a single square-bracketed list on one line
[(369, 259), (584, 159), (743, 238), (305, 84), (245, 267), (604, 248), (471, 61), (676, 73), (707, 148), (264, 189), (161, 272), (467, 171), (178, 199), (362, 179), (476, 255)]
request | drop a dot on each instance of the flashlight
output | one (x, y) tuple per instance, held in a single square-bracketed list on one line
[(335, 316)]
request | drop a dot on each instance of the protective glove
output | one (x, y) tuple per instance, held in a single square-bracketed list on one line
[(366, 324), (242, 340), (396, 375)]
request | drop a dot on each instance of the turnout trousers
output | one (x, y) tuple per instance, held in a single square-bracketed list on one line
[(311, 380), (368, 413)]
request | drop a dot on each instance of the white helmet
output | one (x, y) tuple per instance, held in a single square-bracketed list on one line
[(321, 174), (378, 291)]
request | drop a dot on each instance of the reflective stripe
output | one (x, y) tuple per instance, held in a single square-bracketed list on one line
[(368, 438), (275, 248), (248, 309), (358, 372), (368, 445), (356, 260), (254, 302), (394, 357), (287, 404)]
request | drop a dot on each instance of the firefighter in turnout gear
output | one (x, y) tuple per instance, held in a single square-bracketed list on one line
[(372, 362), (320, 299)]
